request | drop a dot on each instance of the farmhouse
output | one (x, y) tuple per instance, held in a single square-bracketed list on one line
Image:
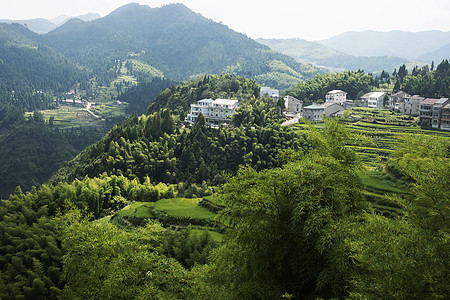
[(292, 106), (445, 118), (313, 113), (374, 99), (437, 110), (337, 96), (332, 109)]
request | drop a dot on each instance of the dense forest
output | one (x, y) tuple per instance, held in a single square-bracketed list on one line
[(32, 150), (32, 73)]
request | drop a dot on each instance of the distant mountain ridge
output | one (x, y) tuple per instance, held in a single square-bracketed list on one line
[(41, 26), (320, 55), (410, 45)]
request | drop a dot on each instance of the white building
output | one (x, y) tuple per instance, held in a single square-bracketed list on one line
[(374, 99), (267, 91), (216, 112), (337, 96)]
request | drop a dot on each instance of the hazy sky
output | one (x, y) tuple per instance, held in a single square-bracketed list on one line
[(310, 20)]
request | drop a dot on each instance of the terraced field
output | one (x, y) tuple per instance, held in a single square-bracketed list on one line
[(381, 131)]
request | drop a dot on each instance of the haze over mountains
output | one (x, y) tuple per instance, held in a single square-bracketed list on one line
[(410, 45), (41, 25)]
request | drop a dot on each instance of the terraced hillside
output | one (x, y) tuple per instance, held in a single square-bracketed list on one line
[(381, 131)]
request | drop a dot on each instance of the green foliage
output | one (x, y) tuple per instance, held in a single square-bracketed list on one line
[(354, 83), (254, 112), (287, 226), (179, 97), (140, 97), (425, 82), (102, 261), (30, 71), (31, 151), (174, 41), (409, 257), (187, 246), (30, 252), (149, 146)]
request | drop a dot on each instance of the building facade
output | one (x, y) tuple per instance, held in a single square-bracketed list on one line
[(292, 105), (216, 112), (331, 109), (426, 110), (374, 99), (337, 96), (445, 118), (313, 113), (437, 111)]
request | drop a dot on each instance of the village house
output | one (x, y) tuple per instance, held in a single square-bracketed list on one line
[(267, 91), (216, 112), (332, 109), (313, 113), (397, 98), (445, 117), (437, 109), (293, 106), (410, 106), (374, 99), (337, 96), (426, 110)]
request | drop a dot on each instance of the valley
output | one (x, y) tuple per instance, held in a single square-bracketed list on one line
[(157, 154)]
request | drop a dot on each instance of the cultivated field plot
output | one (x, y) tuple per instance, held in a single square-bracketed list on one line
[(67, 116), (177, 207)]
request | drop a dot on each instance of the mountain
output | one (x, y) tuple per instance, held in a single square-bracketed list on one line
[(394, 43), (60, 20), (437, 55), (42, 26), (320, 55), (29, 68), (176, 41), (36, 25)]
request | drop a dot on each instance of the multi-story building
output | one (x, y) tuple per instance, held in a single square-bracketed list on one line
[(410, 106), (337, 96), (437, 109), (374, 99), (445, 117), (216, 112), (426, 110), (396, 99), (292, 106)]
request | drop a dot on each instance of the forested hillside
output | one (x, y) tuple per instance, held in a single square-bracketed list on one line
[(298, 227), (32, 150), (176, 41), (355, 84), (30, 71)]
